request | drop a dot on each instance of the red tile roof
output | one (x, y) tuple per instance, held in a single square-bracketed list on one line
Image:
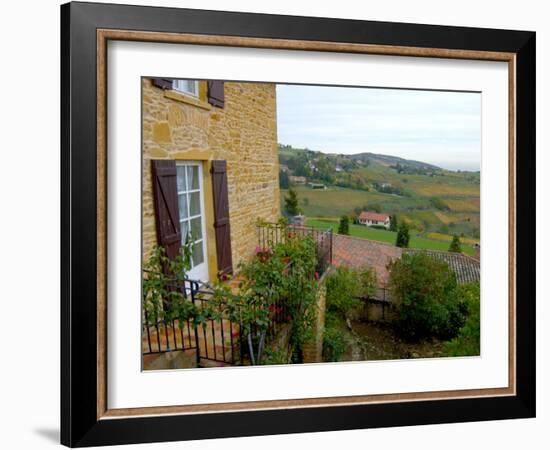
[(356, 252), (367, 215)]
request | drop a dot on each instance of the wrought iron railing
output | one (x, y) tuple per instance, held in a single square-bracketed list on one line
[(215, 339), (270, 234), (219, 339)]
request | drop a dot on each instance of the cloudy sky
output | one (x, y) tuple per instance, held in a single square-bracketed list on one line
[(441, 128)]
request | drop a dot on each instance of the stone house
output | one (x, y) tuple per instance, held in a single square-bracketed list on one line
[(210, 169)]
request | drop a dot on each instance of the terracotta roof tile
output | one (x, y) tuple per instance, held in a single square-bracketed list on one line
[(368, 215), (357, 252)]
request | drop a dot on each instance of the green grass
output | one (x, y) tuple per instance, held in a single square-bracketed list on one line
[(388, 237)]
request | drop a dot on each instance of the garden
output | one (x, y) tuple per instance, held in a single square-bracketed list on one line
[(431, 314), (239, 319)]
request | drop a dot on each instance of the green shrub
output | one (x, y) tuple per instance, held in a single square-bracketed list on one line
[(345, 286), (284, 273), (367, 281), (427, 297), (467, 343), (334, 340), (455, 245)]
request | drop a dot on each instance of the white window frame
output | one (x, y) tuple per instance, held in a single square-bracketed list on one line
[(182, 86), (202, 215)]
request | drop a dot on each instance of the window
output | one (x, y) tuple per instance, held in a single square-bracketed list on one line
[(191, 212), (189, 87)]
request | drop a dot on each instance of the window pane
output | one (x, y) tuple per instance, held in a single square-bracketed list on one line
[(187, 86), (196, 228), (184, 229), (198, 255), (182, 203), (181, 178), (193, 177), (194, 203)]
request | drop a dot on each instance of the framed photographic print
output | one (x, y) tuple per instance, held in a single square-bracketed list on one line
[(276, 224)]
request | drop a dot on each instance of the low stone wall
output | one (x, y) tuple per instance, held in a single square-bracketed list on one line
[(313, 350), (377, 311)]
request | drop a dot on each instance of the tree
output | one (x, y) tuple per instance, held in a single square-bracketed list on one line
[(284, 182), (403, 236), (455, 245), (291, 203), (343, 227), (426, 294), (467, 342), (393, 222)]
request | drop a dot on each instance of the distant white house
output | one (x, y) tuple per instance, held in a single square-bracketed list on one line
[(369, 218), (317, 186), (297, 180)]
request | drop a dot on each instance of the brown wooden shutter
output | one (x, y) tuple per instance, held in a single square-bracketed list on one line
[(221, 217), (165, 195), (163, 83), (216, 95)]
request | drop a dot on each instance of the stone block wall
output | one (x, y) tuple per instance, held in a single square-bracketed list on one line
[(244, 133), (313, 350)]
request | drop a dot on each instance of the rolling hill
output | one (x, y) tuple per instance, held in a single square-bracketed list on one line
[(436, 202)]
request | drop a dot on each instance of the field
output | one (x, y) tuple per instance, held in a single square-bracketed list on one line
[(461, 217), (336, 201), (388, 236), (436, 203)]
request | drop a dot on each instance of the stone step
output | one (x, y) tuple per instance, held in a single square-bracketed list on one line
[(186, 359)]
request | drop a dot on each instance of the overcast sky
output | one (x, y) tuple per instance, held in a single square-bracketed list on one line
[(441, 128)]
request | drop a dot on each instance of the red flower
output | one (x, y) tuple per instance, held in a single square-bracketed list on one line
[(316, 275)]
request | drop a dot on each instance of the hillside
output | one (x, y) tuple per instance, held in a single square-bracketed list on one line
[(388, 160), (436, 202)]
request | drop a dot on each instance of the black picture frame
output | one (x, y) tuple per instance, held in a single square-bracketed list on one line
[(80, 425)]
